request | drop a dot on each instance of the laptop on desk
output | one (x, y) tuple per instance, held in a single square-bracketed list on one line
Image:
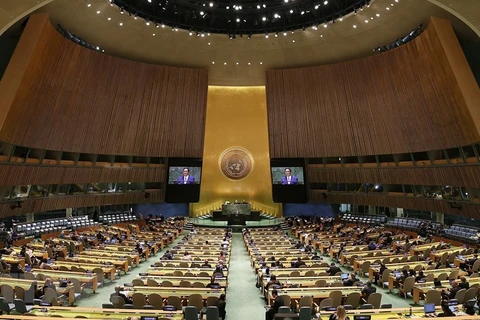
[(344, 276), (438, 284), (429, 309)]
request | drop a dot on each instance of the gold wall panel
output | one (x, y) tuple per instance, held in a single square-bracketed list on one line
[(236, 117)]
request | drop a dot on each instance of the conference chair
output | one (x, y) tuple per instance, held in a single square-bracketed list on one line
[(20, 306), (117, 301), (336, 297), (5, 306), (139, 300), (353, 299), (212, 313), (196, 300), (433, 296), (375, 299), (190, 313), (305, 313), (284, 309)]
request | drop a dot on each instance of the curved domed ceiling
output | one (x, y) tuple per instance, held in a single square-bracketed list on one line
[(242, 60)]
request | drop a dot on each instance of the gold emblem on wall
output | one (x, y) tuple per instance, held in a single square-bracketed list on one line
[(236, 163)]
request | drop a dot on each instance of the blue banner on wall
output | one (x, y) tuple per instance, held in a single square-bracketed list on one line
[(166, 209), (308, 209)]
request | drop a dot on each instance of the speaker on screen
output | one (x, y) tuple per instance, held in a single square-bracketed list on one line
[(183, 181), (288, 180)]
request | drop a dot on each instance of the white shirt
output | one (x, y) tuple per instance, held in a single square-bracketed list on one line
[(288, 179), (185, 179)]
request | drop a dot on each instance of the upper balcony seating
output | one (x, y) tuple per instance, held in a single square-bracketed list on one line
[(363, 219)]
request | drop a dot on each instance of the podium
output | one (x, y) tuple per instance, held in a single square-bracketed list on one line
[(236, 214)]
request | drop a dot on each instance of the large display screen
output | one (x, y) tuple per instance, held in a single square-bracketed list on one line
[(184, 177), (287, 175), (288, 180)]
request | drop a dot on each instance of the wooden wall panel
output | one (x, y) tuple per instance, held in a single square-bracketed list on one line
[(16, 174), (468, 209), (403, 100), (460, 176), (42, 205), (79, 100)]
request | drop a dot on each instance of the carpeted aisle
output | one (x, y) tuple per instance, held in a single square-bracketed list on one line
[(244, 301)]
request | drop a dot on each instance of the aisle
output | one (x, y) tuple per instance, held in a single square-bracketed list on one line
[(244, 301)]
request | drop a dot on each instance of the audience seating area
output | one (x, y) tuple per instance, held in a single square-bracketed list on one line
[(459, 231), (364, 219), (38, 228), (410, 224), (117, 217)]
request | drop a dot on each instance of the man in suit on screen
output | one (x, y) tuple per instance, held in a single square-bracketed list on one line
[(288, 178), (186, 178)]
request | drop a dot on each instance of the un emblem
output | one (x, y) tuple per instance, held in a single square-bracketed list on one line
[(236, 163)]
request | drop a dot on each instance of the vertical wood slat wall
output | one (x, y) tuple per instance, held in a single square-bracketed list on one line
[(460, 176), (404, 100), (17, 174), (47, 204), (78, 100), (470, 210)]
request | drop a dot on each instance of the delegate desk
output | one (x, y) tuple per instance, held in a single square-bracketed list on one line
[(98, 313), (109, 270), (166, 271), (436, 272), (134, 257), (26, 284), (421, 289), (14, 260), (182, 293), (373, 269), (307, 281), (317, 293), (398, 313), (175, 280), (122, 264), (61, 275)]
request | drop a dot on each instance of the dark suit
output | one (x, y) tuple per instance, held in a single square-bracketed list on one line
[(333, 270), (367, 291), (127, 301), (221, 309), (190, 180), (464, 285), (293, 180), (349, 282), (270, 314), (453, 292)]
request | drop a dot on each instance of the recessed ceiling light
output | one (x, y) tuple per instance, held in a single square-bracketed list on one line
[(261, 62), (98, 12), (213, 62), (225, 63), (378, 14), (109, 18), (354, 26), (121, 24), (89, 5), (209, 43), (249, 63), (293, 40)]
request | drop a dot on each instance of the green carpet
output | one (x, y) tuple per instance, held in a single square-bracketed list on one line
[(244, 300)]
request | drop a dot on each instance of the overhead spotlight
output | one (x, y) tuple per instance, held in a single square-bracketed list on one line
[(190, 33), (210, 4), (249, 36), (147, 23), (291, 11), (89, 5), (302, 12), (340, 19), (276, 34), (264, 5), (266, 35), (258, 6), (264, 18), (325, 25), (202, 13), (122, 11), (285, 34)]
